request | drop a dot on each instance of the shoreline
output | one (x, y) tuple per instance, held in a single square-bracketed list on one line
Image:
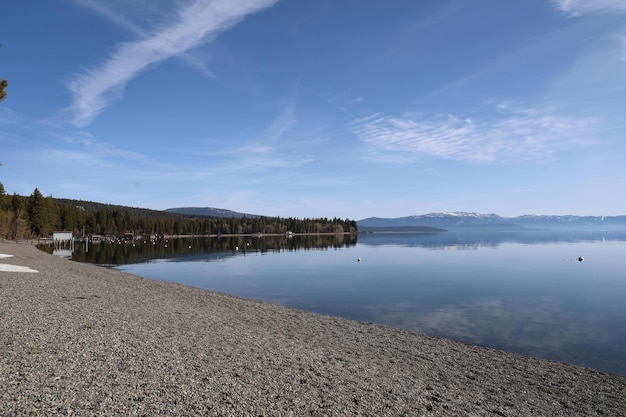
[(86, 340)]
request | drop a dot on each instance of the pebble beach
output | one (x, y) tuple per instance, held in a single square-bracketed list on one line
[(84, 340)]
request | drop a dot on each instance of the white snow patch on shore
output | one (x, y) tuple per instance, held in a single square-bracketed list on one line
[(13, 268)]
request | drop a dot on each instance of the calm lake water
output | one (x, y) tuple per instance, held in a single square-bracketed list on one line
[(524, 292)]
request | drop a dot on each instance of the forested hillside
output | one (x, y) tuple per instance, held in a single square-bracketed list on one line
[(38, 216)]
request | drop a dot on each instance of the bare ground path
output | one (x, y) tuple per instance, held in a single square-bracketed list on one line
[(77, 339)]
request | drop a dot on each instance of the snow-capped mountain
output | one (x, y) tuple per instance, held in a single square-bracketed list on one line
[(454, 220)]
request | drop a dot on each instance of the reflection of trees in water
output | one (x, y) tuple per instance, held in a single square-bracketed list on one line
[(138, 251)]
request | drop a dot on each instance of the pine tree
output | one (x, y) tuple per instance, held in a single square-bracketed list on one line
[(3, 85), (68, 218), (18, 223), (38, 213), (53, 215), (4, 199)]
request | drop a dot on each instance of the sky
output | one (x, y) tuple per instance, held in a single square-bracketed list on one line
[(318, 108)]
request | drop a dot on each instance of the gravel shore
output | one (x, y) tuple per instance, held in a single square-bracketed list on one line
[(83, 340)]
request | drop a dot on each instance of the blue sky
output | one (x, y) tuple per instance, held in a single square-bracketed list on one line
[(318, 108)]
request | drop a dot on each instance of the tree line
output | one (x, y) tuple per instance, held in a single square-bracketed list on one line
[(36, 216)]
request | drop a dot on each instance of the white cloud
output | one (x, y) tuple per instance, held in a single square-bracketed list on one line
[(609, 7), (97, 150), (513, 134), (580, 7), (277, 146), (96, 88), (105, 10), (285, 121), (147, 10)]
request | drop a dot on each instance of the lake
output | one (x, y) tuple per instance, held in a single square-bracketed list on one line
[(523, 291)]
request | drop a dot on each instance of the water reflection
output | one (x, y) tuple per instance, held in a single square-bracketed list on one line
[(474, 239), (113, 253), (139, 251), (520, 291)]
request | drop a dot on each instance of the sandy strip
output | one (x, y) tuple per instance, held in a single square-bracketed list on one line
[(83, 340)]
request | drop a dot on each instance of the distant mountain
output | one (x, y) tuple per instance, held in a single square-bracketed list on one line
[(439, 220), (209, 212), (458, 220), (400, 229)]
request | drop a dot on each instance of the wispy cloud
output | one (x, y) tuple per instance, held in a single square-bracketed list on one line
[(7, 116), (254, 158), (512, 134), (123, 20), (281, 124), (580, 7), (273, 149), (278, 145), (95, 89), (97, 150), (105, 10)]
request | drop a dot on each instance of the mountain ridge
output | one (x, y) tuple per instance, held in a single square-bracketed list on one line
[(457, 219), (210, 212)]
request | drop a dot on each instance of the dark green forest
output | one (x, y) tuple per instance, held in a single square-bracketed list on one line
[(36, 216)]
